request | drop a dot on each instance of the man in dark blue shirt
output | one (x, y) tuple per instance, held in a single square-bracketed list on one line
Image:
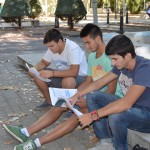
[(129, 112)]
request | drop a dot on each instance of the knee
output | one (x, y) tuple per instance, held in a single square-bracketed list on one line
[(89, 100), (58, 110), (68, 82)]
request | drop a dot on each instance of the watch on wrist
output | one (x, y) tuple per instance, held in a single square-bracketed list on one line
[(94, 115)]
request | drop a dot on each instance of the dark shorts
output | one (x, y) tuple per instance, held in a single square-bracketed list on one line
[(57, 82)]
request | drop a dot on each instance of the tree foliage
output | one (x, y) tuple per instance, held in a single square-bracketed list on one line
[(13, 10), (134, 6), (75, 8), (36, 8)]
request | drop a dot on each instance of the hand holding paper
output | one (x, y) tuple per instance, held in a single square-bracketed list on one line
[(77, 112), (36, 73), (59, 97)]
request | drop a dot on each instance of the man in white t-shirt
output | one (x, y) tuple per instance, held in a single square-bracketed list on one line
[(66, 62)]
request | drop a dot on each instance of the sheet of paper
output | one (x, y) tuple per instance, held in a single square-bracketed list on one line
[(57, 94), (36, 73), (77, 112)]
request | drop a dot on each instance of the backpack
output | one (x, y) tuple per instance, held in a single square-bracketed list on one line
[(138, 147)]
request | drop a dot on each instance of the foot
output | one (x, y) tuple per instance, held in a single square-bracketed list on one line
[(29, 145), (43, 105), (15, 132)]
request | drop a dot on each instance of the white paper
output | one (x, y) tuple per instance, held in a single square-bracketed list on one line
[(77, 112), (60, 93), (57, 94), (36, 73)]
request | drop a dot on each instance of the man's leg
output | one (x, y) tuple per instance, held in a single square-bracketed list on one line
[(21, 134), (43, 87), (71, 82), (68, 82), (46, 120), (61, 130), (134, 118), (95, 101)]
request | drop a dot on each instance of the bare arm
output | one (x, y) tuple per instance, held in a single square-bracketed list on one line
[(111, 87), (124, 103), (117, 106), (41, 65), (85, 83), (98, 84), (71, 72)]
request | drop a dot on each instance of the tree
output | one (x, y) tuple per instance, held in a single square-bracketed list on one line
[(134, 6), (71, 10), (36, 8), (14, 11)]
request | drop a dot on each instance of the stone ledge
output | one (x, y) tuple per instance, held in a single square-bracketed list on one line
[(143, 139)]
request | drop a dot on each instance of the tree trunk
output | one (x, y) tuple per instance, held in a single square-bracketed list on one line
[(95, 17)]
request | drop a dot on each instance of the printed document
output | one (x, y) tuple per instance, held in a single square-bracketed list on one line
[(59, 97), (36, 73)]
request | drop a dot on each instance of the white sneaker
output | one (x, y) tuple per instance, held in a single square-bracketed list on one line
[(103, 146)]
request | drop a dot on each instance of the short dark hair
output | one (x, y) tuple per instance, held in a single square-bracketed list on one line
[(92, 30), (52, 35), (121, 45)]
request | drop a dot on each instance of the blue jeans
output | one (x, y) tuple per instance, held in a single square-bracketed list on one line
[(116, 126)]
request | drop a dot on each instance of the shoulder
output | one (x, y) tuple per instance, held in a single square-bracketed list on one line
[(142, 64), (71, 43)]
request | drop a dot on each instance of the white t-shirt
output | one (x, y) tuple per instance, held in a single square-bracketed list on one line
[(72, 55)]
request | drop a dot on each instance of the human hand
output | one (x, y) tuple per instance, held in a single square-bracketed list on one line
[(74, 98), (85, 120), (31, 74), (46, 73)]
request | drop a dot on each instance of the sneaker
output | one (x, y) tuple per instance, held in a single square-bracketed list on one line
[(43, 105), (15, 132), (29, 145), (103, 146)]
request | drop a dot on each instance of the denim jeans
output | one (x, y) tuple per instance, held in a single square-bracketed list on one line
[(116, 126)]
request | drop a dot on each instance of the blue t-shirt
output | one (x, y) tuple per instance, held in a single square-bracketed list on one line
[(138, 76)]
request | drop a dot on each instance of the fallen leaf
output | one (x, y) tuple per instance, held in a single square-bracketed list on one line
[(8, 142), (67, 148), (4, 122), (94, 139), (14, 119), (9, 88)]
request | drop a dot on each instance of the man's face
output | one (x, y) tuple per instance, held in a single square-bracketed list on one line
[(118, 61), (54, 46), (90, 43)]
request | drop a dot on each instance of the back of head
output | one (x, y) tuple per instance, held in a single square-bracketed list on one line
[(52, 35), (92, 30), (121, 45)]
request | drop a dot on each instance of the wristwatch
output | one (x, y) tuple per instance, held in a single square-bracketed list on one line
[(94, 115)]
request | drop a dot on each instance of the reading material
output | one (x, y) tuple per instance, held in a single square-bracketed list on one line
[(36, 73), (59, 97)]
